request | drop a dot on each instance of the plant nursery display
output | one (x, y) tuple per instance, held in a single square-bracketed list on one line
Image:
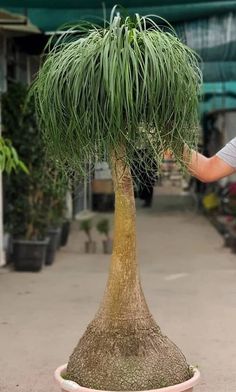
[(109, 92)]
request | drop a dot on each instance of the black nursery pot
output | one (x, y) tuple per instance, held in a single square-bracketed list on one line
[(59, 237), (90, 247), (65, 231), (107, 246), (54, 240), (29, 255)]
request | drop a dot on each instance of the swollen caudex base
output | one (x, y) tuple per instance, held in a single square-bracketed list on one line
[(126, 355)]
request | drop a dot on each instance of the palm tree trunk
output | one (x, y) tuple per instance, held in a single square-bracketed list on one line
[(123, 296), (123, 348)]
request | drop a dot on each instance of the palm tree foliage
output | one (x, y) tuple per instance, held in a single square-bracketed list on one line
[(128, 83)]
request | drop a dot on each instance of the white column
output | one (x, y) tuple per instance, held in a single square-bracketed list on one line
[(3, 88), (2, 254)]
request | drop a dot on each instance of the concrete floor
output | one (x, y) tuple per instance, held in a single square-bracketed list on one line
[(189, 281)]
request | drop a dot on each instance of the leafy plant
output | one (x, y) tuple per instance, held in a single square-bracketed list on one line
[(30, 194), (86, 225), (55, 188), (109, 92), (103, 226), (9, 159)]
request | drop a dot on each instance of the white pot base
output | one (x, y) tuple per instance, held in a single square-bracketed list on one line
[(71, 386)]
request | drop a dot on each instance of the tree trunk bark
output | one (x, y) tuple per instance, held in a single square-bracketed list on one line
[(123, 348), (123, 296)]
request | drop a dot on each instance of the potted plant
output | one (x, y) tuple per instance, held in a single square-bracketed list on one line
[(65, 231), (125, 85), (9, 162), (90, 245), (24, 207), (55, 188), (26, 222), (67, 218), (103, 226)]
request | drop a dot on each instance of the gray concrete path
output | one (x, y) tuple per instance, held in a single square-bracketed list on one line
[(189, 281)]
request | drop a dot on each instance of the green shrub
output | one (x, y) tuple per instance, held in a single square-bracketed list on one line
[(31, 200), (86, 225), (103, 226)]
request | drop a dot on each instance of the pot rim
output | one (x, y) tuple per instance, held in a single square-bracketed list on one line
[(71, 386), (31, 242)]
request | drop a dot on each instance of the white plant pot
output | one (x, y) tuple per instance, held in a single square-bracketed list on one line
[(71, 386)]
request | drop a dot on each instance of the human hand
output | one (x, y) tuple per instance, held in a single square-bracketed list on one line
[(168, 154)]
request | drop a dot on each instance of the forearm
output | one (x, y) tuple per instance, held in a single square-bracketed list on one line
[(206, 169), (197, 164)]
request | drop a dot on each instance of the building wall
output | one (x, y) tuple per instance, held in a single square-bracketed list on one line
[(2, 63), (226, 123), (230, 125), (15, 64)]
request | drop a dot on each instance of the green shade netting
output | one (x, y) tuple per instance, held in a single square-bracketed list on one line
[(49, 15), (209, 27), (218, 96), (214, 37)]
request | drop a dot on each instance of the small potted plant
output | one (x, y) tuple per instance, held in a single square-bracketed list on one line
[(25, 217), (86, 226), (103, 226), (26, 221), (29, 254)]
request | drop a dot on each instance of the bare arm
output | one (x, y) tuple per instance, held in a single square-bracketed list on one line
[(206, 169)]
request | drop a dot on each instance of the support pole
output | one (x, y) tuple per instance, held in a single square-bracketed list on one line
[(3, 88), (2, 253)]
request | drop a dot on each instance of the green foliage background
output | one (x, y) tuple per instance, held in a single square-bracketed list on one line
[(33, 201)]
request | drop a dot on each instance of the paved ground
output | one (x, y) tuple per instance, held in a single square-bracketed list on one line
[(190, 284)]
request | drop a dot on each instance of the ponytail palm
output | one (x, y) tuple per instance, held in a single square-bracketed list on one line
[(107, 93)]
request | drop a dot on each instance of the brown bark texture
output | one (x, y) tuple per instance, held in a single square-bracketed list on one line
[(123, 349)]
